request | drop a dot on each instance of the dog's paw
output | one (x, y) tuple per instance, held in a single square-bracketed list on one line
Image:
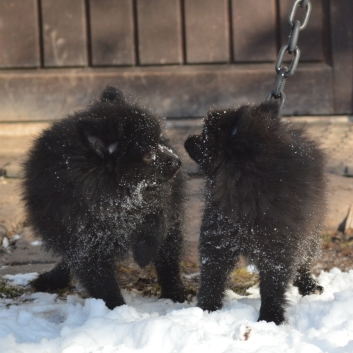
[(178, 295), (114, 302), (319, 290), (209, 306), (276, 317), (315, 289)]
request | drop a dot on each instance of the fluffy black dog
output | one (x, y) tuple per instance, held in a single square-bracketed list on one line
[(265, 199), (100, 183)]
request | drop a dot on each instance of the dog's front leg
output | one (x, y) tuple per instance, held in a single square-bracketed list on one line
[(97, 273), (217, 258), (167, 265)]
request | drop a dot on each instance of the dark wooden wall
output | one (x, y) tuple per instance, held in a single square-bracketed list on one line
[(178, 56)]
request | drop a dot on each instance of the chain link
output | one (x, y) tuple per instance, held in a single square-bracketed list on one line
[(291, 48)]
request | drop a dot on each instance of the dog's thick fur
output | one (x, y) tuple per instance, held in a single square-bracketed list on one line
[(265, 200), (102, 183)]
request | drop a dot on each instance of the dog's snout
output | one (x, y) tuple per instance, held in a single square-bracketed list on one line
[(189, 142), (170, 158), (167, 164)]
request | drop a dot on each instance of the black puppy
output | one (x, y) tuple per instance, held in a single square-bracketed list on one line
[(100, 183), (265, 199)]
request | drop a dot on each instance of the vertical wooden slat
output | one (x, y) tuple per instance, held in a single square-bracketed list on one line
[(207, 31), (310, 40), (342, 55), (159, 32), (19, 34), (254, 30), (64, 33), (112, 32)]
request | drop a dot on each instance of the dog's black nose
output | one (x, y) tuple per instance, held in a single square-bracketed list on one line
[(176, 163)]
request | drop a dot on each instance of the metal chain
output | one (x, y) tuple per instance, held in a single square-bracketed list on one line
[(291, 48)]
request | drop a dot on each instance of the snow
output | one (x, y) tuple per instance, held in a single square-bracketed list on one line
[(36, 243), (21, 279), (317, 323), (5, 242)]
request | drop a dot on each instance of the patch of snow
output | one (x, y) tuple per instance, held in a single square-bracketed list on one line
[(192, 275), (21, 279), (252, 269), (112, 148), (5, 242), (164, 148), (36, 243), (315, 323), (16, 237)]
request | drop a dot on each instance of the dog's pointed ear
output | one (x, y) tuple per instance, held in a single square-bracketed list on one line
[(87, 132), (270, 109), (234, 120), (112, 94)]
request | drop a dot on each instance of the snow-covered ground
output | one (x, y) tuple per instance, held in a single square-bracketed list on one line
[(317, 323)]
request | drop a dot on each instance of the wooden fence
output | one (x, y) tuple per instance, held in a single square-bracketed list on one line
[(178, 56)]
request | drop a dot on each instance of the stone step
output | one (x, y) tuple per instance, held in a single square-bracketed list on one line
[(335, 134)]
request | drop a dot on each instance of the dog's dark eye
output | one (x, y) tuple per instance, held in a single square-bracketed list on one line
[(149, 157)]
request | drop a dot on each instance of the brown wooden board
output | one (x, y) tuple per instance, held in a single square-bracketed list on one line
[(112, 32), (159, 32), (342, 55), (19, 34), (207, 31), (174, 91), (310, 40), (254, 30), (64, 33)]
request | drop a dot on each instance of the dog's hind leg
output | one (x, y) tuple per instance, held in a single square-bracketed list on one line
[(216, 265), (217, 259), (305, 281), (97, 274), (275, 275), (167, 266), (57, 278)]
